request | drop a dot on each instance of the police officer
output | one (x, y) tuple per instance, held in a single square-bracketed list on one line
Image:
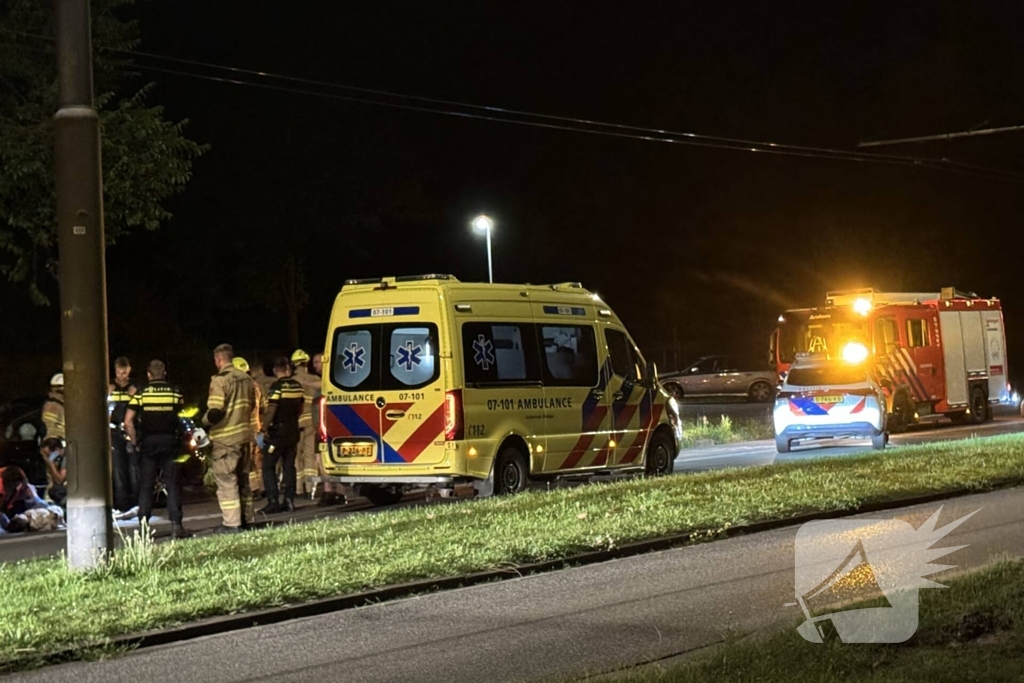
[(281, 436), (124, 455), (229, 415), (156, 407), (53, 408), (306, 459)]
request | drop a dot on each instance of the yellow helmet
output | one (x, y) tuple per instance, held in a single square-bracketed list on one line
[(300, 357), (240, 363)]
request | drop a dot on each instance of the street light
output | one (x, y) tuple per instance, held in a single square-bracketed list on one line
[(484, 224)]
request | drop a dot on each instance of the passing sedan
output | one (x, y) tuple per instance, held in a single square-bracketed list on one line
[(721, 376), (829, 399)]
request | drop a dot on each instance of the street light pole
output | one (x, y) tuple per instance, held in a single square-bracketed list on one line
[(484, 224), (83, 301), (490, 261)]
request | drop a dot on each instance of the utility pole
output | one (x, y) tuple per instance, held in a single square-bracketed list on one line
[(83, 289)]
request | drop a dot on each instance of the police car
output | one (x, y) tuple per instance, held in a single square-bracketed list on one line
[(827, 398), (429, 381)]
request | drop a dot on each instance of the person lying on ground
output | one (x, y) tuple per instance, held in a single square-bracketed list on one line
[(17, 496)]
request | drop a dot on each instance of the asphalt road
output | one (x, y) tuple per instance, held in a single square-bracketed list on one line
[(755, 453), (562, 624), (204, 517)]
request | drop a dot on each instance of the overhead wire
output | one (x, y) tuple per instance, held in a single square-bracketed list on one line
[(492, 113)]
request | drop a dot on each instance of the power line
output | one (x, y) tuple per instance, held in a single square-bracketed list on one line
[(539, 120), (943, 136)]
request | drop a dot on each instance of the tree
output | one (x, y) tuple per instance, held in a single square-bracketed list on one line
[(146, 158)]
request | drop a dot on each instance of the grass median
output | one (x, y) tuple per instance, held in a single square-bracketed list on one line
[(974, 631), (724, 430), (45, 608)]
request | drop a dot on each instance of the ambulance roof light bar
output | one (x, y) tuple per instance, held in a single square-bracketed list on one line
[(400, 278)]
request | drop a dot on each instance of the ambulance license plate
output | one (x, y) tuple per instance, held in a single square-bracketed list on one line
[(828, 399), (361, 450)]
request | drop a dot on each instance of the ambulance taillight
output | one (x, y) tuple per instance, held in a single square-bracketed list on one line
[(322, 412), (453, 422)]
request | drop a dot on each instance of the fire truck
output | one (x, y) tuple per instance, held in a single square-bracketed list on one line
[(934, 354)]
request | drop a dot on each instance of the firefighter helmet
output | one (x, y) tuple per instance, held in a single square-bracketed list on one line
[(300, 357), (240, 363)]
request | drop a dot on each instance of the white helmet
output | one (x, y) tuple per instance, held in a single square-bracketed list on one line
[(57, 380)]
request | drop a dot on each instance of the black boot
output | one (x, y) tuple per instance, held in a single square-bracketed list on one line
[(273, 507), (289, 505), (181, 532)]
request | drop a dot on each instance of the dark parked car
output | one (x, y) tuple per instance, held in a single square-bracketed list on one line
[(21, 431)]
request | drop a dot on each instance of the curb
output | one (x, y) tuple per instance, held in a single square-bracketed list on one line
[(273, 615)]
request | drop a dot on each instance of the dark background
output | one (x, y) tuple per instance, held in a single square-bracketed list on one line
[(698, 250)]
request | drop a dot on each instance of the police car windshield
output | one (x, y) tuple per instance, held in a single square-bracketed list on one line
[(826, 375)]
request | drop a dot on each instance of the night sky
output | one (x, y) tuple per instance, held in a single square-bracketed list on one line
[(698, 250)]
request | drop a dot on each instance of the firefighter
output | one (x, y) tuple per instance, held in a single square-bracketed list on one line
[(306, 460), (255, 478), (53, 408), (281, 436), (333, 493), (124, 454), (229, 415), (156, 407)]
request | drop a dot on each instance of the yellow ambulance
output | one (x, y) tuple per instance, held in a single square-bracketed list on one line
[(429, 381)]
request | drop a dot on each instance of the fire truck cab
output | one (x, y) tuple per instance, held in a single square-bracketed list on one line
[(933, 353)]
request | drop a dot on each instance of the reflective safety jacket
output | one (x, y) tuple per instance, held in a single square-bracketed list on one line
[(157, 407), (284, 408), (310, 389), (119, 398), (231, 407), (53, 416)]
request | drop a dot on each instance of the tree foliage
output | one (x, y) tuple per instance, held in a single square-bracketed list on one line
[(146, 158)]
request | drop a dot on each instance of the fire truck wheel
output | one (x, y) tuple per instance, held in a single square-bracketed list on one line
[(660, 456), (879, 440), (979, 406), (510, 472), (381, 495), (781, 445)]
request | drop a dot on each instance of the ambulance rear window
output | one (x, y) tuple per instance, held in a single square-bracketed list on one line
[(385, 356)]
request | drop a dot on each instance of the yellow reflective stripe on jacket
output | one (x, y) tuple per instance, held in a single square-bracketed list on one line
[(286, 394), (53, 418), (233, 392), (221, 433)]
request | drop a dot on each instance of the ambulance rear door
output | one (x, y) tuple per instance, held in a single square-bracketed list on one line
[(387, 362)]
